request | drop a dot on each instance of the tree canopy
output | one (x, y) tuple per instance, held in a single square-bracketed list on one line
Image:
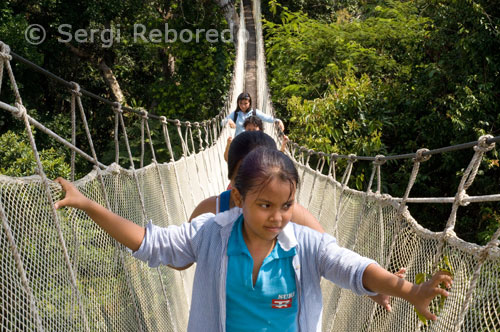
[(158, 55)]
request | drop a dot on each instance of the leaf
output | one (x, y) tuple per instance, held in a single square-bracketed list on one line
[(421, 317), (420, 278)]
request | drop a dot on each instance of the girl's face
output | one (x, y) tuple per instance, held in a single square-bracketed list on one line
[(244, 105), (267, 210), (252, 127)]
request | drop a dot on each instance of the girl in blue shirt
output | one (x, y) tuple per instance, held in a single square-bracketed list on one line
[(243, 110), (254, 268)]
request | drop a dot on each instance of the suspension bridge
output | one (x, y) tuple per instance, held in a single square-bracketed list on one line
[(60, 272)]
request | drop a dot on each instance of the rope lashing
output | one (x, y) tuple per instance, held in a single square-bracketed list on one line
[(351, 159), (76, 89), (321, 162), (21, 111), (200, 135), (117, 109), (420, 157), (143, 115), (183, 143), (482, 144), (75, 92), (309, 154), (331, 170), (207, 134), (5, 52), (468, 177), (6, 63), (150, 137), (166, 135), (189, 129), (378, 162)]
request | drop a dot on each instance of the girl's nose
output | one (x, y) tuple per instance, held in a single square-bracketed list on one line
[(276, 217)]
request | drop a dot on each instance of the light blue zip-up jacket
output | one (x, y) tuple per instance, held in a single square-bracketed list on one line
[(204, 241)]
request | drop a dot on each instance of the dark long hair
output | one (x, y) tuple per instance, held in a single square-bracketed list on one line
[(242, 96), (243, 144), (262, 165), (254, 120)]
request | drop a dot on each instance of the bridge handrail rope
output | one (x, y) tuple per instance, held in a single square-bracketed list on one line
[(206, 154)]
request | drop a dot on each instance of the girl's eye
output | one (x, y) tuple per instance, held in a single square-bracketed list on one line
[(265, 206), (287, 206)]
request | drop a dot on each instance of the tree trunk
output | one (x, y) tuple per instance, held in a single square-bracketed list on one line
[(112, 82), (107, 73)]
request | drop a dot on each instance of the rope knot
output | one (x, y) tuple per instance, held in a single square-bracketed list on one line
[(21, 111), (163, 119), (310, 152), (144, 113), (379, 160), (494, 243), (461, 197), (384, 197), (449, 233), (334, 156), (177, 122), (352, 158), (196, 124), (76, 89), (482, 144), (419, 156), (5, 52), (188, 124), (117, 107)]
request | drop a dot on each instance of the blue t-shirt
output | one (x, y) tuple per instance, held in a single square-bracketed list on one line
[(224, 198), (270, 305)]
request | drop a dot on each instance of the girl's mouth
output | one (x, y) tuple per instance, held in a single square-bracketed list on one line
[(274, 229)]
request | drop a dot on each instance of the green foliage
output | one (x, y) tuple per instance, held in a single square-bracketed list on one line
[(17, 159), (184, 80), (390, 77)]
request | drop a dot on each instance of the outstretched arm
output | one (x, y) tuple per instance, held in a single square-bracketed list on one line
[(124, 231), (385, 300), (379, 280)]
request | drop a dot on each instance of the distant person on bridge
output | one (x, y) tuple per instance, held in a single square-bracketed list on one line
[(244, 110), (252, 123)]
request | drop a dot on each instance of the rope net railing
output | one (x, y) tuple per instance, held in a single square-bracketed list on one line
[(61, 272)]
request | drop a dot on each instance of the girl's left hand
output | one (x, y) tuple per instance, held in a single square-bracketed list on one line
[(385, 300), (424, 293), (280, 124)]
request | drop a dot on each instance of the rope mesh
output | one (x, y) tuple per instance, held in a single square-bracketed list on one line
[(75, 277)]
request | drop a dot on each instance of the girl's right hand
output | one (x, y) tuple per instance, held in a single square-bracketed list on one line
[(73, 197), (231, 123)]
